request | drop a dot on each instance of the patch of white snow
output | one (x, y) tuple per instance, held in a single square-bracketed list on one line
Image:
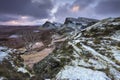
[(116, 54), (116, 36), (14, 36), (75, 72), (22, 69), (3, 55)]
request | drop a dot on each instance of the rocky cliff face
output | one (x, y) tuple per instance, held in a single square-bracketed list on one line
[(80, 20), (79, 23), (93, 53), (76, 24), (49, 25)]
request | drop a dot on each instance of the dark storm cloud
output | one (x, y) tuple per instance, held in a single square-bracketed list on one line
[(63, 12), (57, 9), (36, 9), (108, 7)]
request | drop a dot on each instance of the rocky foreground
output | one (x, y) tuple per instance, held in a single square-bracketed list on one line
[(88, 52)]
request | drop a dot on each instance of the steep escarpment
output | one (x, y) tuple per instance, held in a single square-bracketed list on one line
[(76, 24), (92, 53)]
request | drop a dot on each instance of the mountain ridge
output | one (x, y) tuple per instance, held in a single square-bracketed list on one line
[(92, 52)]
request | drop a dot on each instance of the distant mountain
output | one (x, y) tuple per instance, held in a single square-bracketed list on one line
[(70, 23), (80, 21), (49, 25), (73, 24)]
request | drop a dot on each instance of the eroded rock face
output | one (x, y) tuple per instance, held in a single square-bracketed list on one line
[(79, 23), (84, 55), (80, 20), (76, 24), (49, 25)]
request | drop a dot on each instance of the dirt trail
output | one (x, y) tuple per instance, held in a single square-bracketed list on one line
[(33, 58)]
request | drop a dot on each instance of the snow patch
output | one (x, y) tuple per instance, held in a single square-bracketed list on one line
[(116, 35), (14, 36), (116, 54), (2, 47), (22, 69), (2, 78), (115, 23), (115, 73), (96, 64), (2, 54), (37, 45), (36, 31), (75, 72)]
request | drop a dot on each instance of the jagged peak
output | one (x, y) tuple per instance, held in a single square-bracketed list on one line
[(79, 20)]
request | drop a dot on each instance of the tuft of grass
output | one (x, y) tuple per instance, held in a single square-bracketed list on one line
[(118, 44), (97, 41)]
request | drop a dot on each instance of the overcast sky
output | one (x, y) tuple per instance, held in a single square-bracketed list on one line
[(34, 12)]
